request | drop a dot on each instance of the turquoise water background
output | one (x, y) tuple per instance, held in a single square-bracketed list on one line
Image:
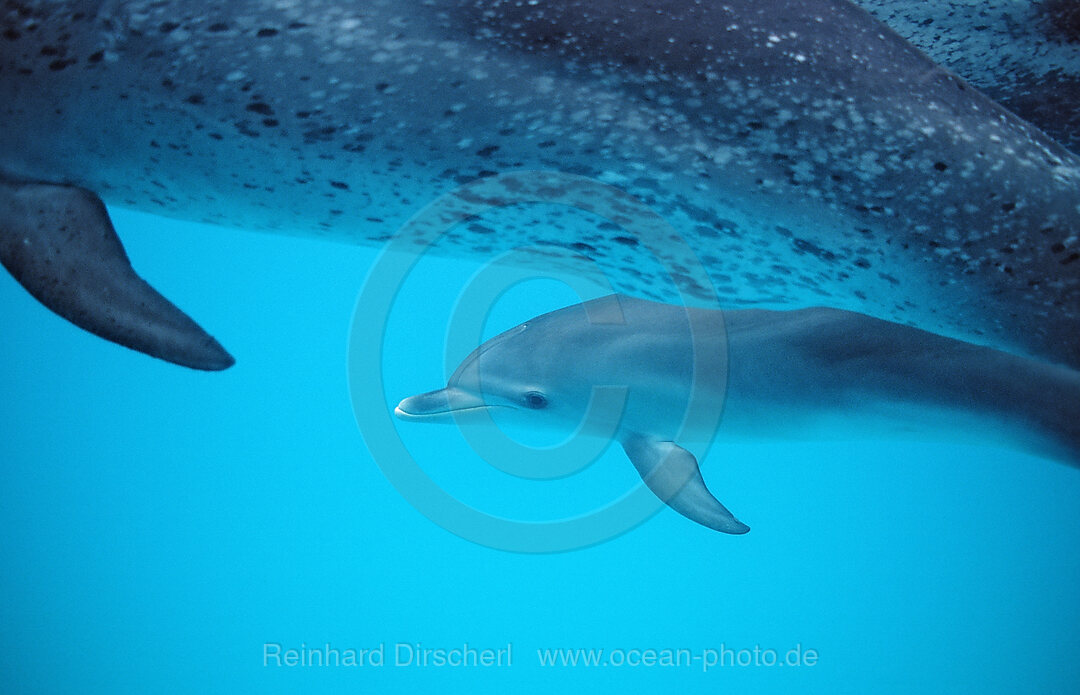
[(159, 527)]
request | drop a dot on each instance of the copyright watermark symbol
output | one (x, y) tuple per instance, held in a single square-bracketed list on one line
[(529, 191)]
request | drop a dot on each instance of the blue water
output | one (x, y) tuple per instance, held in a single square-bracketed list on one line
[(163, 530)]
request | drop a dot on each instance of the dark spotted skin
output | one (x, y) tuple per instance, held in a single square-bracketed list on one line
[(1024, 55), (806, 153)]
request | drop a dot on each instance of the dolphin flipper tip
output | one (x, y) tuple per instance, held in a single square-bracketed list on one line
[(59, 243), (210, 356), (672, 473), (735, 528), (697, 504)]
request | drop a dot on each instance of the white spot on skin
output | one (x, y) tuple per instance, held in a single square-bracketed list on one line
[(722, 156), (869, 167), (544, 85), (803, 172)]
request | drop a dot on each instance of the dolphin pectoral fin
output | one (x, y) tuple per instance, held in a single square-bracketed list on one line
[(672, 473), (59, 243)]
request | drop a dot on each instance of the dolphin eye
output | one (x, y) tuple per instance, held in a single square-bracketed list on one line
[(535, 400)]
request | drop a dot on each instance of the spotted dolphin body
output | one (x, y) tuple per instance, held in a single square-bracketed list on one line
[(806, 153), (694, 374), (1025, 55)]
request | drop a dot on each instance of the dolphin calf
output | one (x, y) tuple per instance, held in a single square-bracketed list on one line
[(759, 374), (806, 153)]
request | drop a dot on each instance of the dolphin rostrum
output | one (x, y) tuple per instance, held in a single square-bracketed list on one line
[(807, 153), (759, 374)]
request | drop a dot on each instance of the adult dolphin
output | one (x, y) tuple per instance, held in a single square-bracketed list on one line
[(1024, 55), (771, 374), (807, 153)]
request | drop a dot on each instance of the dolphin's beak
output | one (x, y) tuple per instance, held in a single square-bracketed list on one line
[(439, 406)]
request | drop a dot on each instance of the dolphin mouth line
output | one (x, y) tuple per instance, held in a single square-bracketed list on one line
[(449, 412), (443, 405)]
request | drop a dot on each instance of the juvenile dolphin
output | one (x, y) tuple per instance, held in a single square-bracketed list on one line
[(760, 374), (806, 152)]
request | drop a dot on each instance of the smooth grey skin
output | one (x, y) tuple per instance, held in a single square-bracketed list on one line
[(803, 374), (806, 153), (58, 242)]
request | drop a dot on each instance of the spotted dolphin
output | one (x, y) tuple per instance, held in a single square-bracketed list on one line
[(1025, 55), (805, 152), (694, 374)]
